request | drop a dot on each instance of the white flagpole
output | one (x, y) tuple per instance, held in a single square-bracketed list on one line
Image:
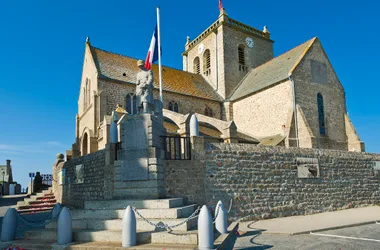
[(159, 51)]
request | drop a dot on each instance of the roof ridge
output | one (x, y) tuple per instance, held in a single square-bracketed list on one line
[(118, 54), (241, 82), (303, 54), (274, 58), (285, 53)]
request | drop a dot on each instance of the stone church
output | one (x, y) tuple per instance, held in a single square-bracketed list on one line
[(233, 83)]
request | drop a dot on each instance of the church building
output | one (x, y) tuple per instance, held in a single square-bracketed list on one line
[(238, 90)]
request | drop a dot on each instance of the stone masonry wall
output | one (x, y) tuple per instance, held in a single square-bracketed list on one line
[(269, 111), (74, 194), (263, 181), (116, 93), (261, 52), (186, 179), (333, 98)]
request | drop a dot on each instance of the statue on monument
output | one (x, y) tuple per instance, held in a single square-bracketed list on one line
[(144, 89)]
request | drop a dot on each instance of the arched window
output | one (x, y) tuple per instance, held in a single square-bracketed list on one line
[(85, 144), (173, 106), (321, 115), (197, 66), (241, 54), (206, 63), (208, 112), (131, 104)]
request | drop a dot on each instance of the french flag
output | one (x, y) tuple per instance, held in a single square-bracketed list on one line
[(152, 56), (220, 4)]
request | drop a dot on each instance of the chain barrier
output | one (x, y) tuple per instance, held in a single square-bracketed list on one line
[(24, 225), (170, 227), (164, 225)]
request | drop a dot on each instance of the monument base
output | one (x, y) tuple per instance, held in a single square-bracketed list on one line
[(139, 172)]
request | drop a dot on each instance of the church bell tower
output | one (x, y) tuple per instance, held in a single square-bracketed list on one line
[(226, 51)]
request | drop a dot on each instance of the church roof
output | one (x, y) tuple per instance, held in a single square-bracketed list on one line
[(113, 66), (271, 72)]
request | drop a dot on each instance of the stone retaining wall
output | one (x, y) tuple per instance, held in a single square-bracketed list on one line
[(263, 181), (74, 192)]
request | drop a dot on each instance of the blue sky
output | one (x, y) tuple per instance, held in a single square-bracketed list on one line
[(42, 46)]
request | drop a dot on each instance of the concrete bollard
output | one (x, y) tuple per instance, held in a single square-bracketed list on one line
[(65, 231), (114, 133), (221, 219), (129, 228), (205, 230), (8, 229), (194, 128)]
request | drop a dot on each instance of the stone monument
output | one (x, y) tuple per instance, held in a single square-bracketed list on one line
[(144, 89), (141, 160)]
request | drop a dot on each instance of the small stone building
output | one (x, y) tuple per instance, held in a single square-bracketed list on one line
[(232, 81), (6, 177)]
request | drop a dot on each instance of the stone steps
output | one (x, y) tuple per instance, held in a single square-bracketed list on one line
[(158, 213), (40, 202), (116, 224), (88, 235), (143, 237), (36, 206), (103, 225), (120, 204), (33, 244), (176, 237), (47, 245), (117, 246)]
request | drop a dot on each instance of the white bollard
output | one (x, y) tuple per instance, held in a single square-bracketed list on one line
[(194, 128), (221, 218), (205, 230), (8, 229), (129, 228), (114, 133), (65, 231), (12, 189)]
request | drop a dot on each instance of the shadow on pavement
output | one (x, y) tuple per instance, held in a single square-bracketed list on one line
[(255, 233)]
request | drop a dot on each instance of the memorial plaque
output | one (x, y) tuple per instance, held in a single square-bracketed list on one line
[(61, 177), (135, 169), (376, 168), (79, 174), (308, 167), (319, 72), (137, 135)]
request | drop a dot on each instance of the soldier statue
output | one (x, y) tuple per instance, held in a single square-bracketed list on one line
[(144, 89)]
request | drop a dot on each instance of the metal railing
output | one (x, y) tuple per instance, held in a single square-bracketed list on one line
[(47, 179), (177, 148)]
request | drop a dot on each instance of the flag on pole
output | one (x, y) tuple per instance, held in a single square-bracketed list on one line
[(152, 55), (220, 4)]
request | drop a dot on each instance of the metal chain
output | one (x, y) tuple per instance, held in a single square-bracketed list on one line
[(216, 213), (169, 227), (166, 226), (43, 221)]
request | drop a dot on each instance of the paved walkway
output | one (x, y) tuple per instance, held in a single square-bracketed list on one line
[(9, 201), (317, 222)]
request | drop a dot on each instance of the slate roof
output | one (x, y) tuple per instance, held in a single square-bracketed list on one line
[(122, 68), (271, 72)]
